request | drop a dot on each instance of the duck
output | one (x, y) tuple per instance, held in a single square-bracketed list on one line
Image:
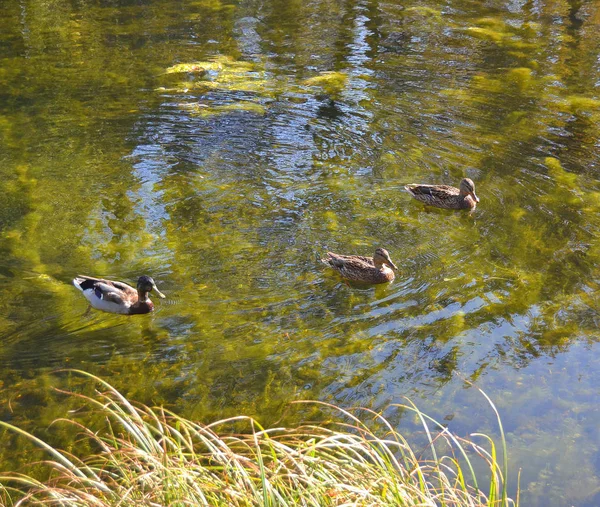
[(357, 268), (444, 196), (118, 297)]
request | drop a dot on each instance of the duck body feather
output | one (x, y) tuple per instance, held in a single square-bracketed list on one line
[(358, 268), (112, 296), (441, 196)]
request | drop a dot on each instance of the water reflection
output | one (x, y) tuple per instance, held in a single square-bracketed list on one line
[(290, 134)]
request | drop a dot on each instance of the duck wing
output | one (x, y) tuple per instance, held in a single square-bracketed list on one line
[(89, 282), (126, 288), (110, 293), (432, 191), (442, 196), (339, 261), (348, 261)]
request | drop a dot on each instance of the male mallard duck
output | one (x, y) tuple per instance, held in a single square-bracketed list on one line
[(118, 297), (446, 197), (363, 269)]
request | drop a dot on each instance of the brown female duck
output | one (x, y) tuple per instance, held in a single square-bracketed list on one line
[(363, 269), (443, 196), (118, 297)]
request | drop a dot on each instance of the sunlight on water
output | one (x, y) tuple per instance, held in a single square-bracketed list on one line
[(223, 147)]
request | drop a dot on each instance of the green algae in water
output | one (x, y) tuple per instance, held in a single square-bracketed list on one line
[(556, 170), (487, 33), (332, 83), (220, 74), (112, 166), (204, 110)]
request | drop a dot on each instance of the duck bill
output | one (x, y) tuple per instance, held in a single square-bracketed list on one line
[(155, 289), (475, 198), (391, 265)]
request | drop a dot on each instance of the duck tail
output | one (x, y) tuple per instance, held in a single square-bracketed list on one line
[(83, 283), (333, 260), (328, 259)]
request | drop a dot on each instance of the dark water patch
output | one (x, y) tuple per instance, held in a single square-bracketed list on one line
[(223, 148)]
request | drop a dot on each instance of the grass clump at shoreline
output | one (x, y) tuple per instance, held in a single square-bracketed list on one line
[(150, 456)]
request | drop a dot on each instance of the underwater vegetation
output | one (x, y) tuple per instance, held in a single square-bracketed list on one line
[(223, 147)]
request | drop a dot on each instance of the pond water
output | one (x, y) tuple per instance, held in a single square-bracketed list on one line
[(221, 147)]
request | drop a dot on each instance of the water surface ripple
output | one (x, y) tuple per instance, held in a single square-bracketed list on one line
[(223, 146)]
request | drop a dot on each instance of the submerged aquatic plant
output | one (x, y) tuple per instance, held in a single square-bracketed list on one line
[(150, 456)]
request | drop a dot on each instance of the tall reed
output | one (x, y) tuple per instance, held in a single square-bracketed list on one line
[(150, 456)]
